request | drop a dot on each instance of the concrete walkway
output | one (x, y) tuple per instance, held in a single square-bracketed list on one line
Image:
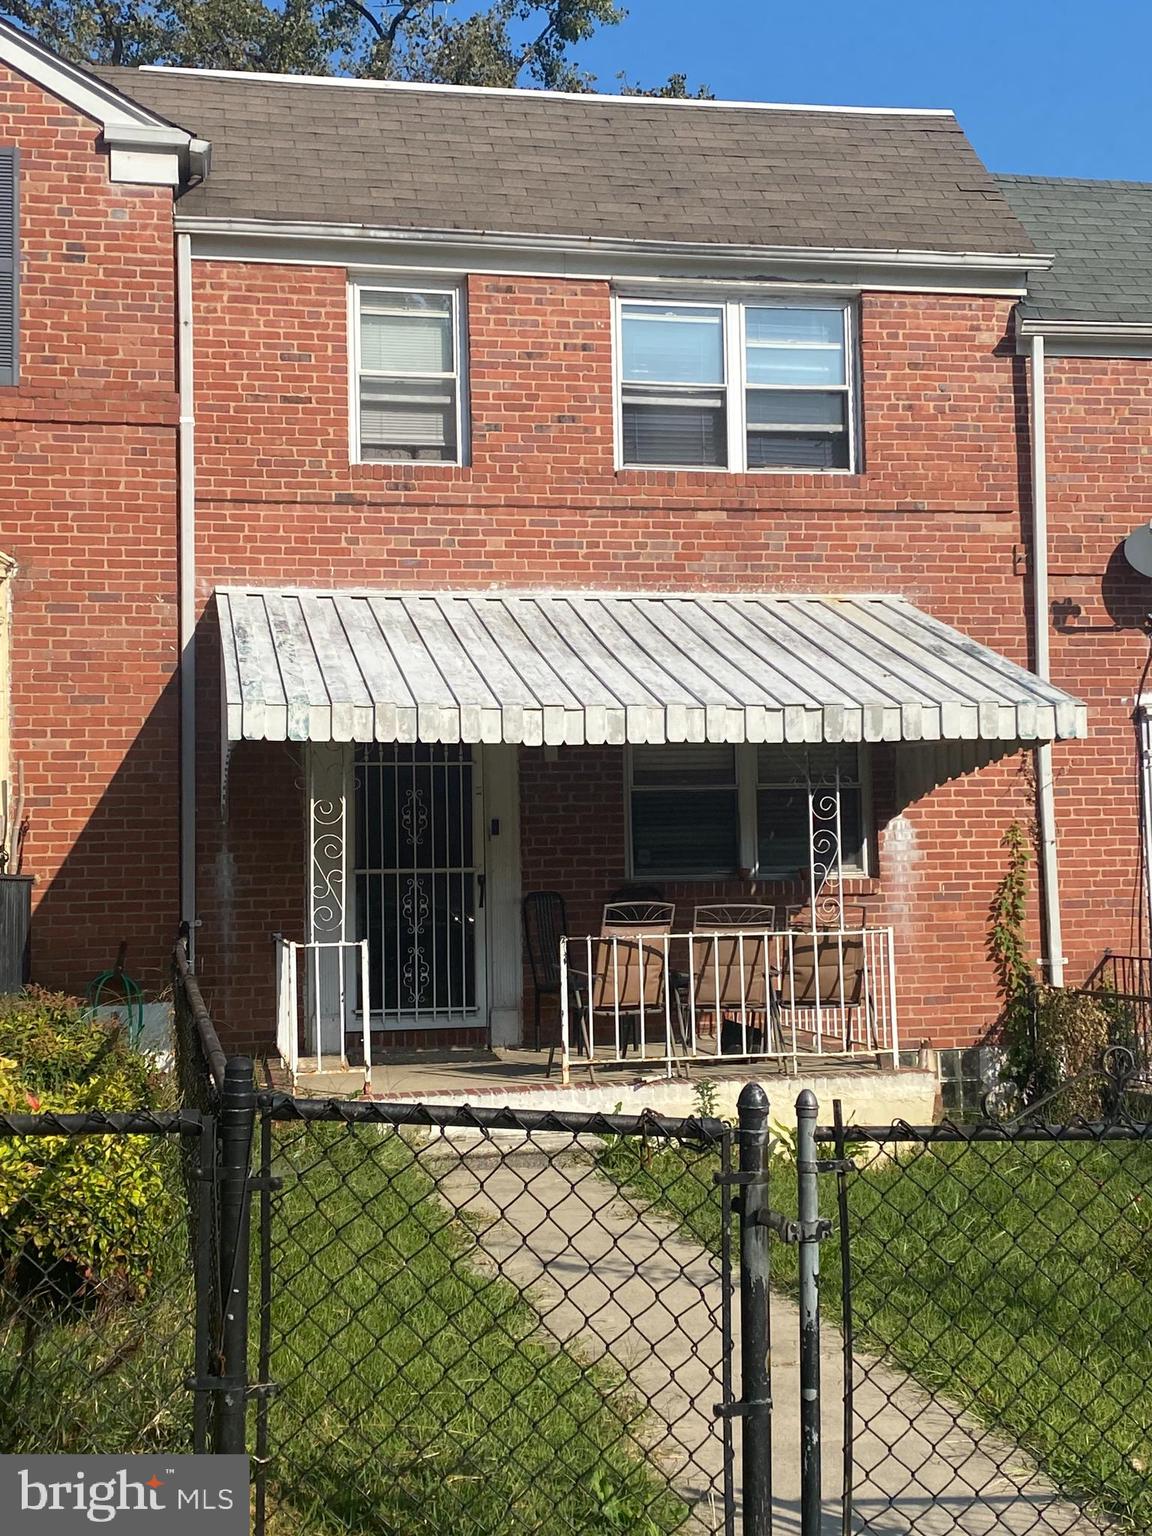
[(619, 1285)]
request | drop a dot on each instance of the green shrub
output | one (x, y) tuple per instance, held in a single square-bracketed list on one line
[(82, 1219)]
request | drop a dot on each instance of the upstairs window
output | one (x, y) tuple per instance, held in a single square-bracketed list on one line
[(743, 385), (409, 375)]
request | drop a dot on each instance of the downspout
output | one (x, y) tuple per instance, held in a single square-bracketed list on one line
[(1045, 800), (1144, 731), (186, 595)]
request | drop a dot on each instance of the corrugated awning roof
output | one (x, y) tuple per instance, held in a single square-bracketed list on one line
[(573, 668)]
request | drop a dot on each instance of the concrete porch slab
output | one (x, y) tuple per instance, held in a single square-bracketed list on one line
[(495, 1078)]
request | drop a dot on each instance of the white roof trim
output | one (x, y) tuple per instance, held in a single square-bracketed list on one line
[(598, 97), (1120, 330), (992, 261), (125, 124), (571, 668)]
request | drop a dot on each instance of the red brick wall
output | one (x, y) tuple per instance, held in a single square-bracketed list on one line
[(87, 477), (937, 516), (88, 467), (1099, 489)]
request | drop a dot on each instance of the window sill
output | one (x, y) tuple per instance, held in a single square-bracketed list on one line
[(727, 476)]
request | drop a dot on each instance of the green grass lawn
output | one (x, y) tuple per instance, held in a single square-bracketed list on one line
[(415, 1392), (1014, 1280)]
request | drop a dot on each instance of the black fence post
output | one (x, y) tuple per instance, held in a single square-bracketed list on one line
[(755, 1334), (808, 1210), (237, 1130)]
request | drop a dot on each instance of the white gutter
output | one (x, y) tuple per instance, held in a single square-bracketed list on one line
[(186, 595), (1045, 799), (1144, 734), (295, 229)]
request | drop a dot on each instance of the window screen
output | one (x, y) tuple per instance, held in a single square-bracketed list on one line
[(673, 405), (409, 376)]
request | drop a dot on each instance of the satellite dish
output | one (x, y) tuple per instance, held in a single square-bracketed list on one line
[(1138, 549)]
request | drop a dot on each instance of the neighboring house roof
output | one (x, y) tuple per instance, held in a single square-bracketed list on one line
[(1101, 234), (398, 156)]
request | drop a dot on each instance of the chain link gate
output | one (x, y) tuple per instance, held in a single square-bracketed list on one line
[(503, 1331)]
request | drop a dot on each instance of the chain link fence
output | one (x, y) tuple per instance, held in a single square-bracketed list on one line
[(991, 1285), (471, 1329)]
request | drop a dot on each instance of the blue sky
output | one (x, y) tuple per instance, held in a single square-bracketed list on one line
[(1059, 88)]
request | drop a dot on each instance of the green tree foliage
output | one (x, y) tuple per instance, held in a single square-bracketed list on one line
[(499, 43)]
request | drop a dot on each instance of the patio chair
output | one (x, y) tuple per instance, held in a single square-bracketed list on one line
[(629, 981), (731, 980), (829, 966), (636, 917), (545, 924)]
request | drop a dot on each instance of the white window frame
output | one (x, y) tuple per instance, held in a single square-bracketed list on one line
[(735, 390), (357, 288), (748, 831)]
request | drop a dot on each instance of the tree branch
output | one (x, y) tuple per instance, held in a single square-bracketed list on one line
[(373, 21)]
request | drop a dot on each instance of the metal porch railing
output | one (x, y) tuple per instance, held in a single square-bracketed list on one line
[(316, 989), (701, 996)]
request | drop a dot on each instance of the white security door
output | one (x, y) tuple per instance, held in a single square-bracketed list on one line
[(420, 896)]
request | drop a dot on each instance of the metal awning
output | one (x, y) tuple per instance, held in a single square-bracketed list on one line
[(573, 668)]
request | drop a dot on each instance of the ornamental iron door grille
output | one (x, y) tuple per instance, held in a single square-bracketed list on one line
[(419, 884)]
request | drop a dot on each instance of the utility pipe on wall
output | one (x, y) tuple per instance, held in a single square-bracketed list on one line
[(1045, 799), (186, 590), (1144, 732)]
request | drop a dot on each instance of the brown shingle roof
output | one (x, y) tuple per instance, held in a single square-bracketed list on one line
[(534, 163)]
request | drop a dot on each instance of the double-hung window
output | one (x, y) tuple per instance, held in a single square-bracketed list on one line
[(742, 385), (699, 811), (409, 374)]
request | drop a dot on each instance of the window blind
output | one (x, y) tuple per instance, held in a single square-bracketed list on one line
[(9, 266)]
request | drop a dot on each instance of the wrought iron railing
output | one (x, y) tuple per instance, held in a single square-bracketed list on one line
[(749, 994), (1126, 980)]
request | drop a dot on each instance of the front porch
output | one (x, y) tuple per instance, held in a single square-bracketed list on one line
[(519, 1078), (652, 835)]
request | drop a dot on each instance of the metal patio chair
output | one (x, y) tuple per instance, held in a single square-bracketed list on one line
[(830, 966), (730, 975), (637, 917), (545, 924), (630, 984)]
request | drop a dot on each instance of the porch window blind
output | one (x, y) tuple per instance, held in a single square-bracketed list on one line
[(409, 376), (9, 266), (783, 775), (685, 808), (685, 815)]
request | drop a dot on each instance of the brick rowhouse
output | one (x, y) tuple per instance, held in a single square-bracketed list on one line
[(939, 512)]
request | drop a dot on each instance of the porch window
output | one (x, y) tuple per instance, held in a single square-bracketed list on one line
[(707, 811), (744, 385), (783, 775), (409, 374), (685, 811)]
